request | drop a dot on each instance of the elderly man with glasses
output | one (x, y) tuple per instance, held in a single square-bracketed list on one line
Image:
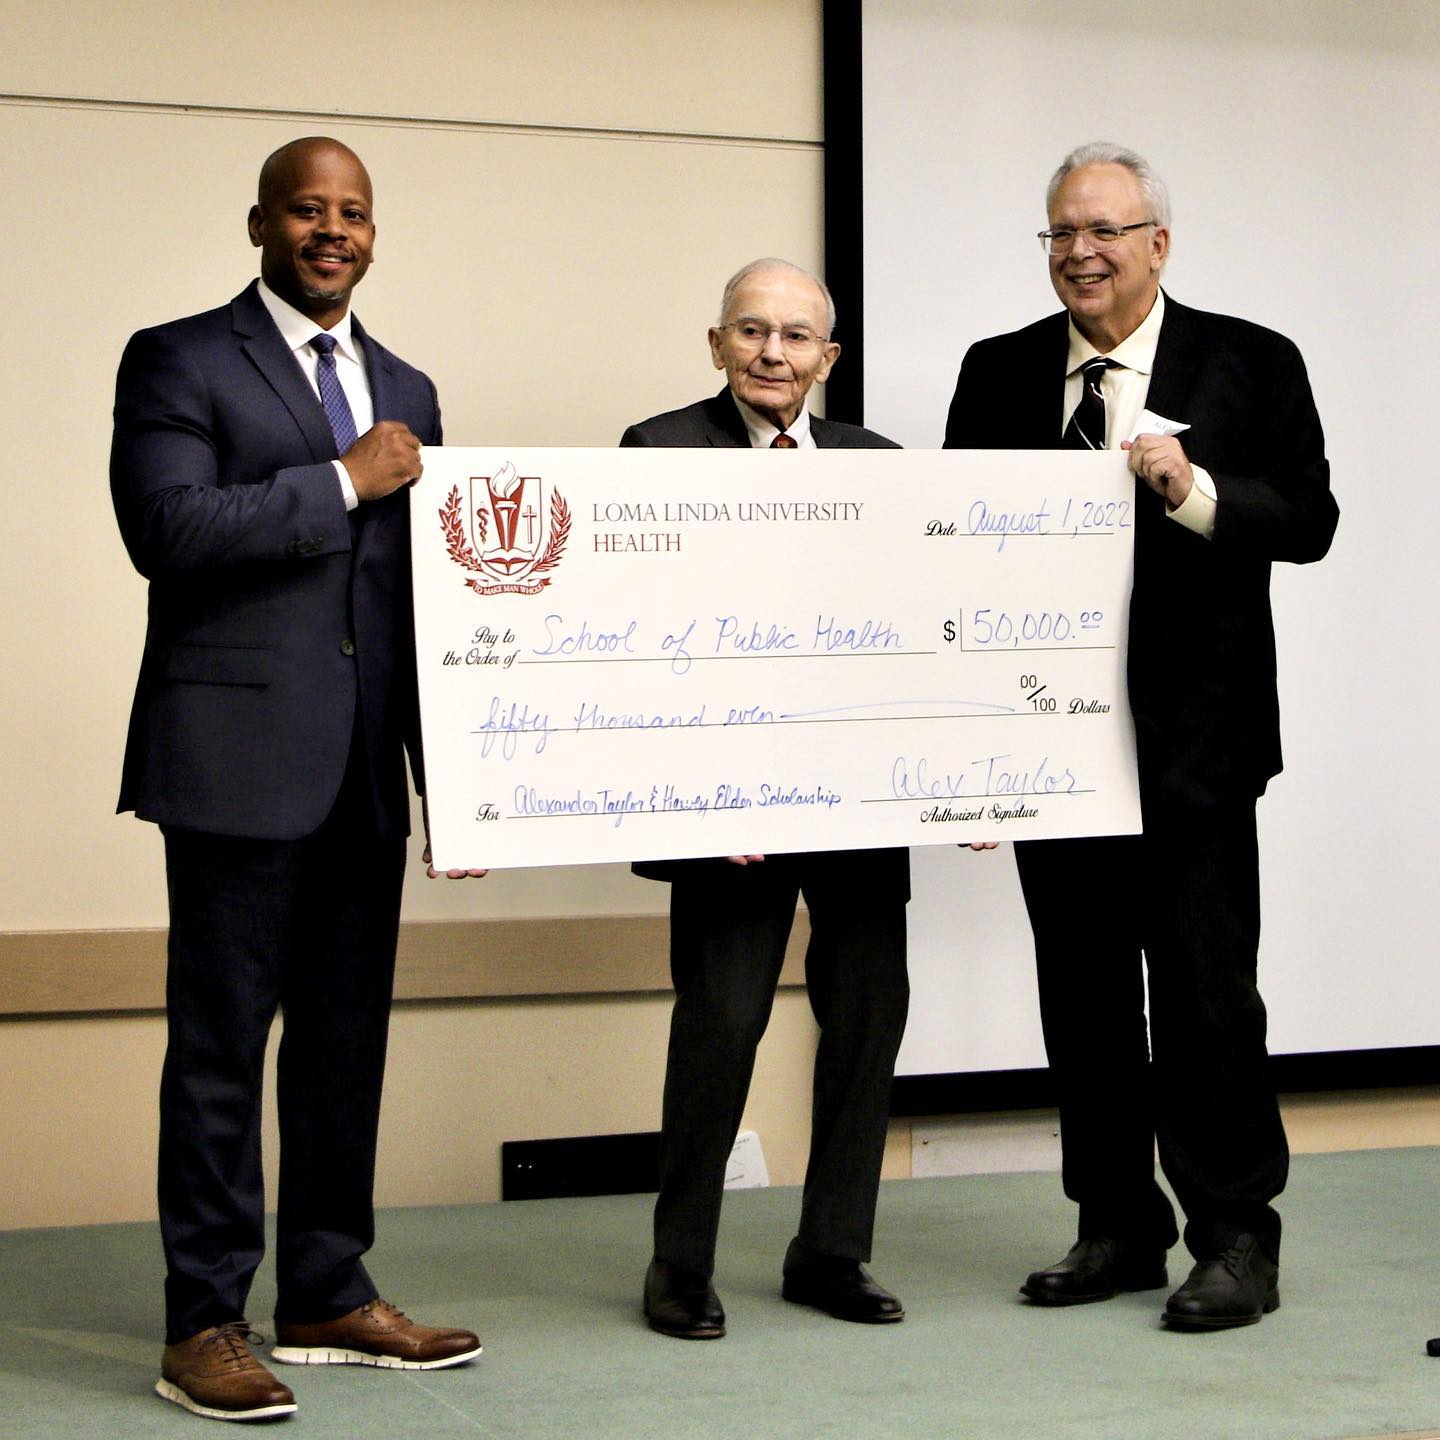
[(1124, 366), (730, 918)]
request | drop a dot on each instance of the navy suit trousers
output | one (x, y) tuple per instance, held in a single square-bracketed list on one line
[(307, 927)]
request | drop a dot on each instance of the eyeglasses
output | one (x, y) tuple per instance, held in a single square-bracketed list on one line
[(1101, 237), (754, 335)]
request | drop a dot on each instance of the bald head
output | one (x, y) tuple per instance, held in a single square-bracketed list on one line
[(278, 172), (314, 224)]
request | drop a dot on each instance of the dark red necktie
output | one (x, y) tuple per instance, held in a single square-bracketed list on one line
[(784, 442)]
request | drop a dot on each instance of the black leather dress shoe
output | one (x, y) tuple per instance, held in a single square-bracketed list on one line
[(842, 1288), (1096, 1269), (1235, 1287), (682, 1303)]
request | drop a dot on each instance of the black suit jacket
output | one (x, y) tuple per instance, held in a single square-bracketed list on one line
[(1202, 643), (717, 421), (272, 612)]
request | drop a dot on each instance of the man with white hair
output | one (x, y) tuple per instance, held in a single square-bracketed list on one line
[(730, 918), (1124, 366)]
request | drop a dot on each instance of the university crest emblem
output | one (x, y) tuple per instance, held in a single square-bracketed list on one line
[(505, 532)]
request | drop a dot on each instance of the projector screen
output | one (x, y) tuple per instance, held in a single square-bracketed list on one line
[(1298, 142)]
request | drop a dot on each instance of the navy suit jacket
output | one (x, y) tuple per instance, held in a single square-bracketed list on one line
[(272, 613), (1202, 642), (718, 421)]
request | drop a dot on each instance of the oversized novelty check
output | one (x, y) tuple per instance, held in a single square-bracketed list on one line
[(647, 654)]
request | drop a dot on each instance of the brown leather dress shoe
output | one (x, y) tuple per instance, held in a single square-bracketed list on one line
[(376, 1334), (216, 1374)]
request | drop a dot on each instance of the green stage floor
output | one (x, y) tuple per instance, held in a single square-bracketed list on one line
[(553, 1289)]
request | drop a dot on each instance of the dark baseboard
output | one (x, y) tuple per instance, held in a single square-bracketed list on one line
[(990, 1090), (630, 1164), (581, 1165)]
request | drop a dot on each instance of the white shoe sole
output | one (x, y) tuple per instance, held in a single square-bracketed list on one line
[(325, 1355), (168, 1390)]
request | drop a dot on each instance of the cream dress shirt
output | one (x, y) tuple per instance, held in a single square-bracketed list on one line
[(1125, 391)]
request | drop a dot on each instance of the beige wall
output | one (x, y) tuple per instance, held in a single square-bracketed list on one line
[(561, 190), (550, 185), (561, 187), (80, 1107)]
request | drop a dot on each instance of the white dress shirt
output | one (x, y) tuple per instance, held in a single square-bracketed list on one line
[(298, 331), (762, 432), (1125, 390)]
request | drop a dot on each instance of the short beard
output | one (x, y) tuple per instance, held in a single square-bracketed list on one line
[(313, 292)]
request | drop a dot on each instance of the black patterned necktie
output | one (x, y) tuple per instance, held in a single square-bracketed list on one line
[(1086, 430), (783, 442), (332, 394)]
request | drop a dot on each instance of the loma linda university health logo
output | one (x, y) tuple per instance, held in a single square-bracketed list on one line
[(528, 536)]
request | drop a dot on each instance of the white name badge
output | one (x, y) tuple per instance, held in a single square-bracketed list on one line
[(653, 654)]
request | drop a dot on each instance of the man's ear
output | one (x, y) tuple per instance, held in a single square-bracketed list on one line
[(1159, 247), (832, 354)]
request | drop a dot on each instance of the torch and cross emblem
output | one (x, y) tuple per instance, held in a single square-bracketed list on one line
[(529, 538)]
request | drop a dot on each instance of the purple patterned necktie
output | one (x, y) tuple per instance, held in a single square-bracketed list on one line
[(1086, 430), (332, 395)]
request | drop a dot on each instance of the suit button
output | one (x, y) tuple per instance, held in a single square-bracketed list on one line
[(347, 646)]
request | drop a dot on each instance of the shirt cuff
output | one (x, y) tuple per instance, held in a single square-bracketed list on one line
[(1197, 511), (347, 489)]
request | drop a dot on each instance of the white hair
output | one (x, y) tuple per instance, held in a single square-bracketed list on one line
[(1102, 152), (770, 262)]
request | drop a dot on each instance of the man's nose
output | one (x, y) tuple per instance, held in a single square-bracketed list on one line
[(1082, 245), (773, 352)]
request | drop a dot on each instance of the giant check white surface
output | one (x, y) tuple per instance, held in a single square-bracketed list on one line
[(641, 654)]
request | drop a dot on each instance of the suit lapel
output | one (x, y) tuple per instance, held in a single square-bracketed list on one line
[(725, 425), (1039, 427), (383, 400), (377, 372), (1176, 356), (270, 355)]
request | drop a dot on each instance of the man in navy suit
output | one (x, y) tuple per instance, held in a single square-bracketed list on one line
[(1245, 484), (730, 918), (259, 470)]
